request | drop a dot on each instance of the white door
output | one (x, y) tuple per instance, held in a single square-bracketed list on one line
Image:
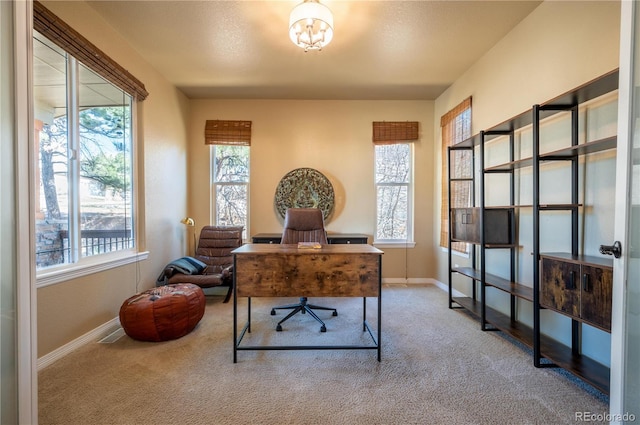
[(18, 386), (625, 329), (8, 358)]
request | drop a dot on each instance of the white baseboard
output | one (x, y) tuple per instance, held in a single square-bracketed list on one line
[(91, 336), (408, 281), (445, 288), (421, 281), (107, 328)]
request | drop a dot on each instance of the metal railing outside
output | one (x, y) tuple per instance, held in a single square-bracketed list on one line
[(95, 242)]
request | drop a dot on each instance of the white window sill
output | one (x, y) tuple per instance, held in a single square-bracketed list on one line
[(99, 264), (394, 244)]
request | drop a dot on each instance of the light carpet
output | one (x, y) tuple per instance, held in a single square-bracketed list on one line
[(437, 368)]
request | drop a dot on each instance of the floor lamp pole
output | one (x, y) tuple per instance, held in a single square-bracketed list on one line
[(191, 224)]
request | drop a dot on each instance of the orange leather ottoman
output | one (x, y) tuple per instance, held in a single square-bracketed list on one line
[(163, 313)]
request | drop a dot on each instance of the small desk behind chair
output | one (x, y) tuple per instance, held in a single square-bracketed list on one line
[(274, 270), (332, 238)]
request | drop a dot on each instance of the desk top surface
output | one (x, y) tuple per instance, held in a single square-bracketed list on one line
[(261, 248)]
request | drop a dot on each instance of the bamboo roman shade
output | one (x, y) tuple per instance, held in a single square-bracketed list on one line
[(218, 132), (452, 115), (385, 132), (456, 127), (59, 32)]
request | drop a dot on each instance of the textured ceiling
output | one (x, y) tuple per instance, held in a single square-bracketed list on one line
[(380, 50)]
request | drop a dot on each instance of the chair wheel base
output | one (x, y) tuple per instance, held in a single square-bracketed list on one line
[(323, 329), (335, 313), (279, 328), (273, 312)]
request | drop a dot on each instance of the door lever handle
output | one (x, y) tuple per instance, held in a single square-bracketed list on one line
[(615, 249)]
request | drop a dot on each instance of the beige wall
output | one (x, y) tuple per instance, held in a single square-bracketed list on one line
[(333, 137), (559, 46), (70, 309)]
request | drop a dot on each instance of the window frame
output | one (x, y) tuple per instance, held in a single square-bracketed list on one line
[(410, 185), (99, 262), (215, 185)]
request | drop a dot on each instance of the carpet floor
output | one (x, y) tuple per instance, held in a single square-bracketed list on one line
[(437, 368)]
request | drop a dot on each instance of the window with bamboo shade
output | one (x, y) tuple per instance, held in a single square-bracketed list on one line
[(387, 132), (393, 143), (72, 42), (231, 142), (456, 127)]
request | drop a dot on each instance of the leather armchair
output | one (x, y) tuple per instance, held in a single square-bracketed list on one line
[(214, 249)]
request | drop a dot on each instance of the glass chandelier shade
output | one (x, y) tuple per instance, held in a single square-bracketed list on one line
[(311, 25)]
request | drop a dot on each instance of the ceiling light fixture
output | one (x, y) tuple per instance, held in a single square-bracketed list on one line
[(311, 25)]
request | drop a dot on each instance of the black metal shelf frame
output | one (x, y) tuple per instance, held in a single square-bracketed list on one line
[(485, 136), (569, 358), (541, 345), (464, 146)]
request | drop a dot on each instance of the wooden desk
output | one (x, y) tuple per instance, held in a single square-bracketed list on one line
[(274, 270)]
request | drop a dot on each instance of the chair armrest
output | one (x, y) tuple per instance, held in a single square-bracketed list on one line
[(227, 272)]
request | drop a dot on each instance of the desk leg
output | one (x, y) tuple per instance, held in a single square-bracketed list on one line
[(364, 314), (379, 326), (249, 314), (235, 314), (379, 307)]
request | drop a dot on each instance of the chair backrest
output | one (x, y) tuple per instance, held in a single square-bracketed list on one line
[(303, 225), (215, 246)]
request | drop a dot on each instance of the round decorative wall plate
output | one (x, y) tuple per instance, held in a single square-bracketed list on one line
[(304, 188)]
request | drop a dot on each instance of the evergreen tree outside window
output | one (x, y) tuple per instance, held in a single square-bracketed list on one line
[(84, 142)]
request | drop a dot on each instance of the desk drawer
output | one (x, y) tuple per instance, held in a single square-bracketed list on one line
[(266, 239), (307, 275), (347, 239)]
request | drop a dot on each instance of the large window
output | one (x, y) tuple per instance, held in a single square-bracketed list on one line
[(231, 185), (394, 189), (83, 133)]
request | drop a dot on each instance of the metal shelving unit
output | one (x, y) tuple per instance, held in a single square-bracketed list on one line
[(569, 358), (542, 346)]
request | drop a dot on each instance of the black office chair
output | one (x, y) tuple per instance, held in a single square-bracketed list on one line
[(303, 225)]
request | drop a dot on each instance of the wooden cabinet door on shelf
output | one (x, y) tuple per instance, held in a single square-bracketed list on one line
[(580, 290), (558, 289), (498, 224), (596, 296)]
